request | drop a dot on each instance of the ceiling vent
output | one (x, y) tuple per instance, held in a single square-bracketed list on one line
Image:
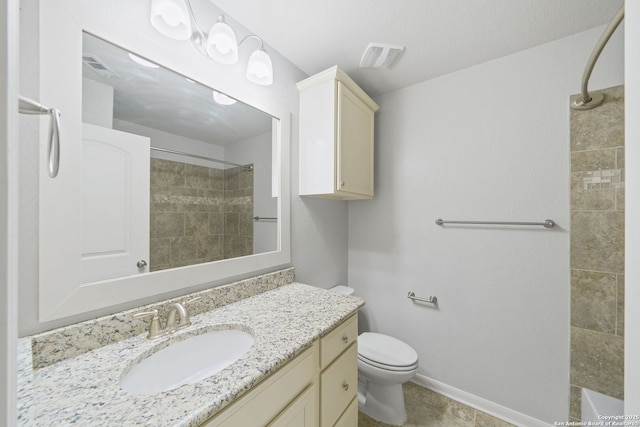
[(95, 64), (381, 55)]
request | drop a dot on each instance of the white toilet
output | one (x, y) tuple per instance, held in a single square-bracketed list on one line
[(384, 364)]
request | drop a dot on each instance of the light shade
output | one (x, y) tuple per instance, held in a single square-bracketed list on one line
[(260, 68), (143, 62), (223, 99), (171, 18), (222, 45)]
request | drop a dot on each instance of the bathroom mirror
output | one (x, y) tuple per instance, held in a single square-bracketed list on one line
[(86, 202), (208, 172)]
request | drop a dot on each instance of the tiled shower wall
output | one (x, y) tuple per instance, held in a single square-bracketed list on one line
[(198, 214), (597, 249)]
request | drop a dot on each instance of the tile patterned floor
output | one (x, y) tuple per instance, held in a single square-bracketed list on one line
[(428, 409)]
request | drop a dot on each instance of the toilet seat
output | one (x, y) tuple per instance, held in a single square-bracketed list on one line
[(385, 352), (388, 367)]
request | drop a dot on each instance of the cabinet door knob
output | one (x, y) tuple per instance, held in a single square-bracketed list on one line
[(345, 339), (141, 264), (345, 386), (342, 184)]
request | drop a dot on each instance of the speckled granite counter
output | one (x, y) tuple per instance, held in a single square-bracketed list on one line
[(85, 390)]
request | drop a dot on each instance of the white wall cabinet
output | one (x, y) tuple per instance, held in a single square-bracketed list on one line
[(317, 388), (336, 137)]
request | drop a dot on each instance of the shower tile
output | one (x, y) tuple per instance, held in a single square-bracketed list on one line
[(620, 199), (159, 254), (196, 223), (575, 403), (168, 173), (597, 241), (245, 224), (620, 306), (216, 223), (231, 223), (588, 199), (601, 127), (209, 248), (593, 160), (169, 224), (593, 300), (597, 361), (216, 179), (620, 158), (196, 176), (182, 249)]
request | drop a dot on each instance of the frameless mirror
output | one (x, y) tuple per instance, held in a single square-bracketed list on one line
[(174, 173)]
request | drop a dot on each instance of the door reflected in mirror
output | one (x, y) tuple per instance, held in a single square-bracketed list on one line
[(174, 172)]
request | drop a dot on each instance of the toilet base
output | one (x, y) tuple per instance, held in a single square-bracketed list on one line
[(382, 402)]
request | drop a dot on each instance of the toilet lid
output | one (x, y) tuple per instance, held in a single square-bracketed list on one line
[(385, 350)]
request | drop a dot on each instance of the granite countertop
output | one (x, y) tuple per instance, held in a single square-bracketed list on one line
[(85, 390)]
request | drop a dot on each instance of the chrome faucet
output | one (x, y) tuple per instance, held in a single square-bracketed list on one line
[(183, 317), (171, 325)]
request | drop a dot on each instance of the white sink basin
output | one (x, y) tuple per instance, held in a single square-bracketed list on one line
[(187, 361)]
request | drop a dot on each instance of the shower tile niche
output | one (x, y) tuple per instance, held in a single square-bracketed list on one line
[(199, 214), (597, 249)]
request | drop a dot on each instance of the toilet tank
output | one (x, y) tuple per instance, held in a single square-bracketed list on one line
[(343, 290)]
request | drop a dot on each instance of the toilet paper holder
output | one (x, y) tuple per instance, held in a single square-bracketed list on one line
[(430, 300)]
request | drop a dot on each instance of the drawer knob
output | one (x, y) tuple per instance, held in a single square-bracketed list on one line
[(345, 386), (345, 339)]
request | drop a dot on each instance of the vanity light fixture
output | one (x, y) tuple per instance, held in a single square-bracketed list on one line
[(259, 67), (220, 44), (171, 18), (223, 99)]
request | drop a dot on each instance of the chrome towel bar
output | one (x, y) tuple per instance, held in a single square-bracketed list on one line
[(430, 300), (264, 218), (547, 223)]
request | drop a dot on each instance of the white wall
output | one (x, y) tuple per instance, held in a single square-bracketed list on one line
[(486, 143), (632, 200)]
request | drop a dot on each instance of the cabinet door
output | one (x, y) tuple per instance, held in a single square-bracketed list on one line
[(354, 154), (302, 412)]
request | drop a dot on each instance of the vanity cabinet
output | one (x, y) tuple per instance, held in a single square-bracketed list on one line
[(336, 137), (289, 397), (317, 388)]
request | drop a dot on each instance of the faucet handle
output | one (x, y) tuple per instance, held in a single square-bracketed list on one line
[(154, 326), (184, 304)]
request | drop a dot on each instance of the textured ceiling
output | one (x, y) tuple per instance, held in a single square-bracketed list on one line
[(441, 36)]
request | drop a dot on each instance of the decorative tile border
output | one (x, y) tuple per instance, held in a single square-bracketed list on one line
[(603, 179), (70, 341)]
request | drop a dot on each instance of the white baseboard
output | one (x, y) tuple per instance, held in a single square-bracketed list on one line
[(476, 402)]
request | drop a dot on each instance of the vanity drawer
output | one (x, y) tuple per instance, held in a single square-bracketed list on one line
[(338, 386), (270, 397), (338, 340)]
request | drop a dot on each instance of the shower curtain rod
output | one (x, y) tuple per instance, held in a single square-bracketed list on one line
[(182, 153), (586, 101)]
